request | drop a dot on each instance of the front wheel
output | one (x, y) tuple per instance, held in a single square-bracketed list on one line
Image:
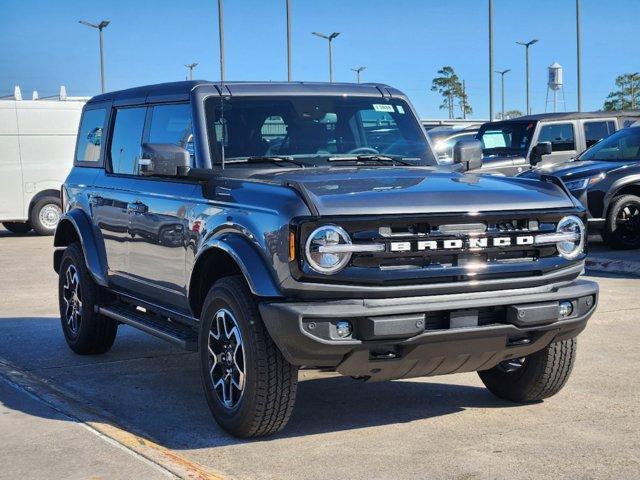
[(249, 386), (535, 377), (622, 230)]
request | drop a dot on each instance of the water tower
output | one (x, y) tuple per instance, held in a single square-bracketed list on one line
[(555, 85)]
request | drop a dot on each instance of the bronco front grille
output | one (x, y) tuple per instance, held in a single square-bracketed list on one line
[(444, 248)]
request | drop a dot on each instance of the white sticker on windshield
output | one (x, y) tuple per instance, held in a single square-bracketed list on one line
[(381, 107), (400, 109)]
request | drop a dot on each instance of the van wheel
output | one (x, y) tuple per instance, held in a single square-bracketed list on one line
[(249, 386), (45, 215), (85, 331), (19, 228), (622, 230), (535, 377)]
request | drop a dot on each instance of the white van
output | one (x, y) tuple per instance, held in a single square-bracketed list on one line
[(37, 141)]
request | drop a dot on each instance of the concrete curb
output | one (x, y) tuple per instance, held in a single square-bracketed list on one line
[(609, 265)]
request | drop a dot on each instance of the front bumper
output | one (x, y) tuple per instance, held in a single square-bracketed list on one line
[(424, 336)]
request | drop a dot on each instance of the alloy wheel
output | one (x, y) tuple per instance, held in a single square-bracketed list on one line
[(226, 358), (72, 298), (628, 223)]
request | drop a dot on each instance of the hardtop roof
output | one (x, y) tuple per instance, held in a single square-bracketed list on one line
[(175, 91), (572, 116)]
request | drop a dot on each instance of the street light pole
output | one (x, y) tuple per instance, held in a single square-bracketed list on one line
[(100, 26), (526, 46), (579, 55), (502, 74), (191, 66), (289, 76), (221, 34), (330, 39), (358, 70), (490, 60)]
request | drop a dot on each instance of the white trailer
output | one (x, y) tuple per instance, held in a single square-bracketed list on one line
[(37, 141)]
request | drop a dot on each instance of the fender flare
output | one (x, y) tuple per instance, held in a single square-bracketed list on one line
[(246, 256), (94, 256)]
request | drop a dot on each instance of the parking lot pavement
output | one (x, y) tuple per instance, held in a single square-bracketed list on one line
[(603, 259), (442, 427)]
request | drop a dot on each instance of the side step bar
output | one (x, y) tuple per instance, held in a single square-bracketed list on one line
[(175, 333)]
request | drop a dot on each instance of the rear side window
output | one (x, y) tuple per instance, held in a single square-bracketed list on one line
[(126, 141), (90, 135), (560, 135), (596, 131)]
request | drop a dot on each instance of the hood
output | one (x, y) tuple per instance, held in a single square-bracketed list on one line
[(384, 191), (576, 169)]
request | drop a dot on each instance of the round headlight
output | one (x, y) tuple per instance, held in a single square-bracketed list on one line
[(323, 249), (571, 249)]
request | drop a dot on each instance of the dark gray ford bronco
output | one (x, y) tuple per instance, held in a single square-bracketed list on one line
[(274, 226)]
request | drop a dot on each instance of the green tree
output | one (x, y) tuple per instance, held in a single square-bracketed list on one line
[(512, 114), (627, 93), (448, 84)]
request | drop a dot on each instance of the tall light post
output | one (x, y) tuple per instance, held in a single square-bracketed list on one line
[(358, 70), (502, 74), (526, 46), (289, 75), (221, 35), (579, 55), (100, 26), (330, 39), (191, 66), (490, 60)]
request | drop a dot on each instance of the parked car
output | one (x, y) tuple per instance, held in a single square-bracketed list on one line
[(513, 146), (606, 179), (313, 228), (37, 138), (444, 139)]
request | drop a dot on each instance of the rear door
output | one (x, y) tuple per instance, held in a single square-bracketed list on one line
[(563, 138), (596, 130)]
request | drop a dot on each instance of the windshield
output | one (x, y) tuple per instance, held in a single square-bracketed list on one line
[(512, 138), (622, 146), (313, 130)]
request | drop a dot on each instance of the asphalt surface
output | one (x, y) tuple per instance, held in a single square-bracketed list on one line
[(442, 427)]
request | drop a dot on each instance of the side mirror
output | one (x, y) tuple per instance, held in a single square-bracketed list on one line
[(542, 148), (163, 159), (468, 153)]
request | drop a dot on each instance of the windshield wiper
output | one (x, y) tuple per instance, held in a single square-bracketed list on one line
[(369, 158), (265, 159)]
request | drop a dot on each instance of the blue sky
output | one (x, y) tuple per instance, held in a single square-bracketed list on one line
[(401, 42)]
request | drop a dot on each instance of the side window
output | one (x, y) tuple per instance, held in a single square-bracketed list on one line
[(560, 135), (90, 135), (172, 124), (596, 131), (126, 140)]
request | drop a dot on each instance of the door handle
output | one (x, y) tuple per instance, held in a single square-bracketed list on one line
[(96, 200), (137, 207)]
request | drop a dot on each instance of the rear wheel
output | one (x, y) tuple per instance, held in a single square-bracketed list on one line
[(249, 386), (19, 228), (622, 230), (45, 215), (85, 331), (535, 377)]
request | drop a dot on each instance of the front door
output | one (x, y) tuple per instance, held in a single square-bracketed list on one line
[(562, 136)]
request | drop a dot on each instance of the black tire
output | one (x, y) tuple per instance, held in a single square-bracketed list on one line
[(541, 375), (45, 214), (269, 382), (622, 229), (90, 333), (19, 228)]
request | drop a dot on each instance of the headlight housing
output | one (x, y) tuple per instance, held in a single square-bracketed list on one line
[(573, 229), (583, 183), (324, 249)]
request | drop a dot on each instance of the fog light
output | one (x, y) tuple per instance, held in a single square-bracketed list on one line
[(343, 328), (566, 309)]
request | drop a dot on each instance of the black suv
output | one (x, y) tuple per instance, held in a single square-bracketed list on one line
[(273, 226)]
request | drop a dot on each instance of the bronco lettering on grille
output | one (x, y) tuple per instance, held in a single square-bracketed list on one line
[(470, 243)]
